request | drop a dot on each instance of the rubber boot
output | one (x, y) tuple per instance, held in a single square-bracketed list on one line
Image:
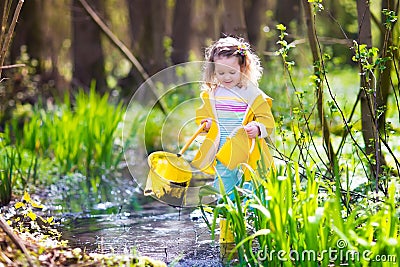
[(226, 241)]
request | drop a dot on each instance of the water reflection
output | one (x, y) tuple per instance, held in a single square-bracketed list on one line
[(111, 218), (157, 231)]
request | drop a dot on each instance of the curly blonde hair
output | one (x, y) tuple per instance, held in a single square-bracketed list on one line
[(249, 62)]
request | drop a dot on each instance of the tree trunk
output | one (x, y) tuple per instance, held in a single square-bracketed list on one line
[(7, 31), (30, 33), (140, 28), (367, 99), (384, 76), (317, 62), (181, 31), (158, 8), (42, 35), (255, 17), (288, 11), (138, 13), (205, 25), (87, 51), (148, 26), (211, 19), (233, 22)]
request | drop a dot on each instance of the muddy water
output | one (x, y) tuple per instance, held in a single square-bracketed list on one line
[(158, 231), (122, 221)]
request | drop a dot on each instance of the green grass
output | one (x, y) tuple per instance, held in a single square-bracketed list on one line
[(298, 134), (18, 168), (294, 212), (81, 138), (42, 144), (304, 210), (7, 159)]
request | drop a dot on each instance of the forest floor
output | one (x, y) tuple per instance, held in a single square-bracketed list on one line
[(28, 239), (36, 254)]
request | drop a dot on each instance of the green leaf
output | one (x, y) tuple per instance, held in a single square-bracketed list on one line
[(207, 190), (281, 27)]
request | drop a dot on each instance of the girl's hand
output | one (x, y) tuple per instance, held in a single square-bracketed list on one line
[(252, 131), (208, 124)]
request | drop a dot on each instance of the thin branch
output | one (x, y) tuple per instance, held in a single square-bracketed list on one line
[(319, 71), (346, 121), (390, 151), (124, 50), (6, 11), (307, 124), (287, 160), (378, 24), (12, 66), (10, 32), (396, 97), (17, 241), (323, 40)]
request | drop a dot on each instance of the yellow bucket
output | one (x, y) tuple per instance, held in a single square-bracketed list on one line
[(169, 165), (168, 178), (169, 175)]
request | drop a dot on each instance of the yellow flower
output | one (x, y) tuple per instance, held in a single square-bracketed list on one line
[(242, 49), (32, 215), (19, 205), (26, 197)]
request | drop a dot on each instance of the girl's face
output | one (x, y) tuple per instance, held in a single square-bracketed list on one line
[(227, 71)]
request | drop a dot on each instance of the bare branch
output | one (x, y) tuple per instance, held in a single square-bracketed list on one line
[(10, 32), (6, 11), (12, 66), (17, 241), (323, 40), (318, 70), (125, 51)]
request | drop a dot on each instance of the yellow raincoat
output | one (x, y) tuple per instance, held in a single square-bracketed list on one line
[(239, 148)]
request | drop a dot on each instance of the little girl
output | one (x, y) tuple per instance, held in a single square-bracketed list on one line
[(234, 109)]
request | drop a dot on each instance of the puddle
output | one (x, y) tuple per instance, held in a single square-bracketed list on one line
[(158, 231), (124, 221)]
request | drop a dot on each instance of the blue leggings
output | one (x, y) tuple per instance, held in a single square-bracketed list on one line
[(230, 179)]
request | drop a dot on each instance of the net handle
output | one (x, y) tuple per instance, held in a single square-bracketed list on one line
[(186, 146)]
